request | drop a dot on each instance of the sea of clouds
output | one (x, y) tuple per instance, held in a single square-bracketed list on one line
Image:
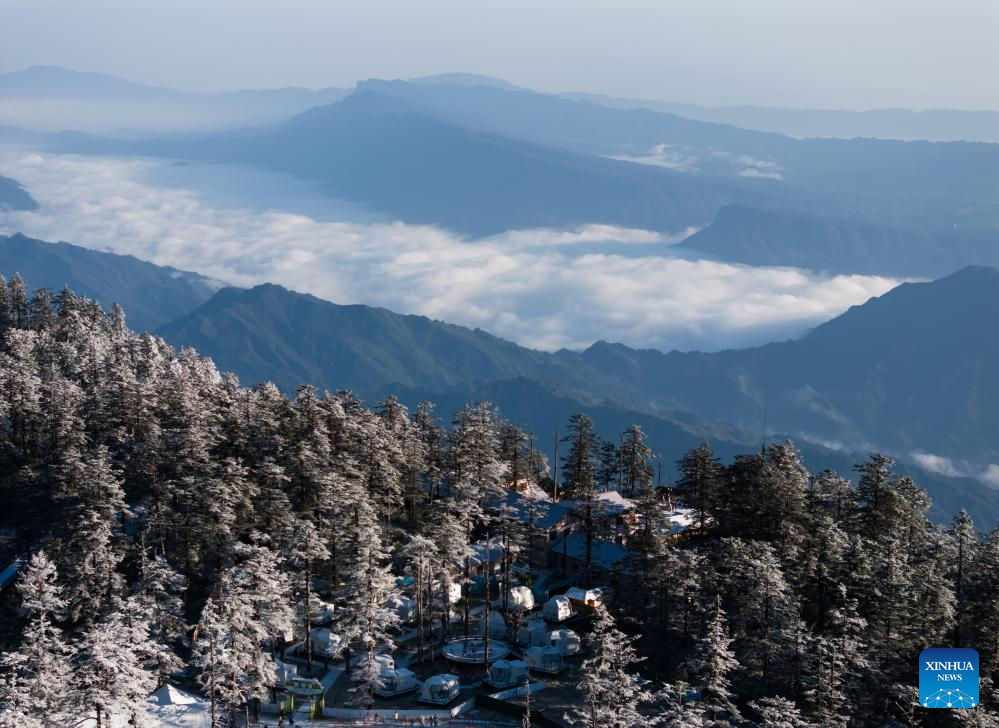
[(542, 288)]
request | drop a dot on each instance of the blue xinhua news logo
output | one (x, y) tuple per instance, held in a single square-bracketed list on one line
[(948, 677)]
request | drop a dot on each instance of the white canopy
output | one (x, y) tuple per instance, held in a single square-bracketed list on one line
[(521, 599), (504, 673), (327, 643), (497, 625), (558, 608), (566, 641), (440, 689), (397, 681)]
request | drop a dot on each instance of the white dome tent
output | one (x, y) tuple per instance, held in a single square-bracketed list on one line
[(566, 641), (383, 660), (404, 607), (533, 633), (326, 643), (544, 659), (557, 609), (497, 626), (395, 682), (508, 673), (520, 599), (440, 689)]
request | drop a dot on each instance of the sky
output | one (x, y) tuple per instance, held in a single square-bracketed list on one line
[(855, 54)]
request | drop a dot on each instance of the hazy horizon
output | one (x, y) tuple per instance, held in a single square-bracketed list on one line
[(846, 56)]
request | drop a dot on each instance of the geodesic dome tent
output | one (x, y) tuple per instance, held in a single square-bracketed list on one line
[(326, 643), (566, 641), (544, 659), (404, 607), (507, 673), (440, 689), (520, 599), (557, 609), (285, 671), (395, 682), (533, 633), (497, 625), (383, 660)]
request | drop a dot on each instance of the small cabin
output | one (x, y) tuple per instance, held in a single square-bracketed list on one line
[(395, 682), (557, 609), (497, 626), (508, 673), (520, 599), (544, 659), (584, 597), (440, 689), (326, 643)]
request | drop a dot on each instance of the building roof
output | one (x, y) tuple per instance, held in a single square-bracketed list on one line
[(614, 502), (605, 554), (542, 513)]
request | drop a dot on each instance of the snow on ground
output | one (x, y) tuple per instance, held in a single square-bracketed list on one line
[(168, 707)]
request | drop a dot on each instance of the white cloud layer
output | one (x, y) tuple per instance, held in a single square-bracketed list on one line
[(542, 288)]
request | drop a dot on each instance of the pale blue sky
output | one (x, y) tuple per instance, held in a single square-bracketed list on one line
[(820, 53)]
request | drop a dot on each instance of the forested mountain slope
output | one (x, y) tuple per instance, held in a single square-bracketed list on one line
[(166, 511), (915, 369), (151, 294)]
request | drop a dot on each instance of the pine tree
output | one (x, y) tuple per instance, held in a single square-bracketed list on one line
[(610, 694), (713, 663), (115, 665), (699, 483), (365, 618), (579, 469), (91, 548), (304, 551), (39, 670), (158, 595), (777, 712), (635, 457)]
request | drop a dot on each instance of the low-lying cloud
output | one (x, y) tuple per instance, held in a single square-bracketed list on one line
[(943, 465), (541, 288)]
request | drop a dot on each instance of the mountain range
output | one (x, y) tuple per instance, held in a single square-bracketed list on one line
[(934, 125), (772, 237), (480, 157), (918, 365), (151, 295), (50, 98), (14, 197)]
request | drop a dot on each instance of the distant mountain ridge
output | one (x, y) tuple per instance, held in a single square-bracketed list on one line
[(14, 197), (935, 125), (914, 368), (150, 294), (778, 238), (50, 98)]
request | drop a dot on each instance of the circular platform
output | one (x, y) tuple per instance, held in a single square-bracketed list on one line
[(473, 650)]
